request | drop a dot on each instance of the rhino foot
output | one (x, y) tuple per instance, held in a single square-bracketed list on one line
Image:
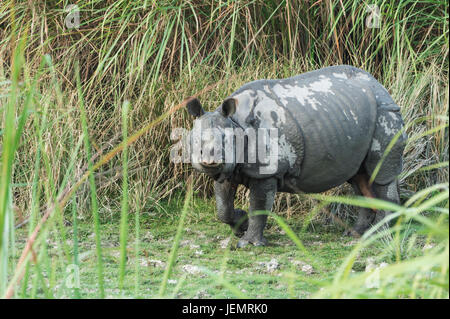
[(258, 242), (240, 223), (351, 232)]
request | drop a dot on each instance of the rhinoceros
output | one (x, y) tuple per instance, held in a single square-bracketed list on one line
[(321, 129)]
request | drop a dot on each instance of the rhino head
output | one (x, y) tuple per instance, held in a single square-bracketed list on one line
[(211, 139)]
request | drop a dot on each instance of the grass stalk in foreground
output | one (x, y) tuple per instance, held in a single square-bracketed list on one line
[(176, 241), (93, 190), (124, 204), (10, 136), (137, 245), (76, 291)]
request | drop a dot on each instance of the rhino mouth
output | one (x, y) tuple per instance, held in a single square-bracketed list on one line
[(211, 168), (211, 165)]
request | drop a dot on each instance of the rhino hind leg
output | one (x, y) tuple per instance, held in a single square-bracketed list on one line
[(366, 216), (369, 217), (388, 157), (383, 162)]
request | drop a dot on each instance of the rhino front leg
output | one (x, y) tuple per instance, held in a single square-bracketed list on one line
[(262, 195), (237, 219)]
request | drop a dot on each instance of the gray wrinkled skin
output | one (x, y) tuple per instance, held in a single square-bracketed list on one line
[(333, 123)]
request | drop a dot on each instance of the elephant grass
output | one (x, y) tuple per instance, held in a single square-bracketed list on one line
[(64, 130)]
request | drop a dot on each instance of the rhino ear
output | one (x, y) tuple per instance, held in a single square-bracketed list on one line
[(228, 107), (195, 108)]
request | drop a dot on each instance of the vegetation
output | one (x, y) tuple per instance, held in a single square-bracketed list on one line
[(86, 184)]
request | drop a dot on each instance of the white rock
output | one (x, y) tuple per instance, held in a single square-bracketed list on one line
[(224, 243), (308, 269), (152, 262), (192, 269), (272, 265)]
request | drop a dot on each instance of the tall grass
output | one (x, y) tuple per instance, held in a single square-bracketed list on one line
[(124, 208), (61, 89), (93, 188)]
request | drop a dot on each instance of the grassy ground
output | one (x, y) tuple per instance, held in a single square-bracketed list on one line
[(206, 256)]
